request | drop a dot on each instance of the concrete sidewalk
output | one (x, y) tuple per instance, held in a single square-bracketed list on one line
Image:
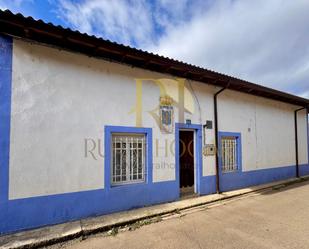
[(58, 233)]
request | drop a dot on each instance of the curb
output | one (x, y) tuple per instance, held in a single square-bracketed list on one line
[(77, 229)]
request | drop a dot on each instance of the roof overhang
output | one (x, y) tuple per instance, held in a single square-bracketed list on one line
[(36, 30)]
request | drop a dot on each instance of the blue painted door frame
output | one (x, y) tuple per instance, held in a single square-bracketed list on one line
[(197, 153)]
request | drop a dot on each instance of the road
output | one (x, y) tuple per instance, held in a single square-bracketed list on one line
[(277, 218)]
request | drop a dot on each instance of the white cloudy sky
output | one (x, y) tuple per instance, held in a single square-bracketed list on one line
[(263, 41)]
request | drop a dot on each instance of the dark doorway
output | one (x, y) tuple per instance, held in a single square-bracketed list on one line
[(186, 161)]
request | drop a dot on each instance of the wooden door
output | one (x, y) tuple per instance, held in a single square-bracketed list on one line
[(186, 158)]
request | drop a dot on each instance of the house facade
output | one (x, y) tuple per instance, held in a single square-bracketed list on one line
[(84, 135)]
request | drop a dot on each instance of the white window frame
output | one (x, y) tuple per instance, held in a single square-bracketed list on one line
[(135, 146)]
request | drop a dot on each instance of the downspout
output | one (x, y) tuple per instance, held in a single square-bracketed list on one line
[(216, 136), (296, 140)]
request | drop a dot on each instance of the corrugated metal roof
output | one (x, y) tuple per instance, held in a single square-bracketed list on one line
[(17, 25)]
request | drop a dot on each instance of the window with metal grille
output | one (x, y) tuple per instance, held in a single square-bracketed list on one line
[(229, 155), (128, 159)]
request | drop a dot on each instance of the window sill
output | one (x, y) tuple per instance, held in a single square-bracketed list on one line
[(231, 172), (128, 184)]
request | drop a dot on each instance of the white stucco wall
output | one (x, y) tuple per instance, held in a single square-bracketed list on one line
[(267, 129), (59, 99), (302, 137), (204, 110)]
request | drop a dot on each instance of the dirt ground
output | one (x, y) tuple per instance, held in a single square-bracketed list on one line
[(277, 218)]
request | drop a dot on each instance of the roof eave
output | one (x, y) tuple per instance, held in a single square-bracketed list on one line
[(28, 28)]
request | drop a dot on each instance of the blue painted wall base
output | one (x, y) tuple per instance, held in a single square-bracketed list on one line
[(304, 170), (21, 214), (232, 181), (208, 185)]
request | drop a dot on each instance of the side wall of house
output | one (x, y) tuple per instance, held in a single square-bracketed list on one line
[(267, 138), (303, 142), (58, 109)]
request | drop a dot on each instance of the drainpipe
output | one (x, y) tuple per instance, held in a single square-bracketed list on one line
[(296, 140), (216, 136)]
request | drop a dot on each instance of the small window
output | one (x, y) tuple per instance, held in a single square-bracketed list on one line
[(128, 159), (229, 155)]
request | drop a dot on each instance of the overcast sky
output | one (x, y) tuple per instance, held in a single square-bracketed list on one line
[(263, 41)]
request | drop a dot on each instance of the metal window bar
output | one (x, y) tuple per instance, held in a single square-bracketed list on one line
[(229, 154), (128, 160)]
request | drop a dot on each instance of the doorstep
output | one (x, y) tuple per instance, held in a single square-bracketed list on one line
[(62, 232)]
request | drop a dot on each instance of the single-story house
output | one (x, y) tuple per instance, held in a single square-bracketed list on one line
[(90, 127)]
